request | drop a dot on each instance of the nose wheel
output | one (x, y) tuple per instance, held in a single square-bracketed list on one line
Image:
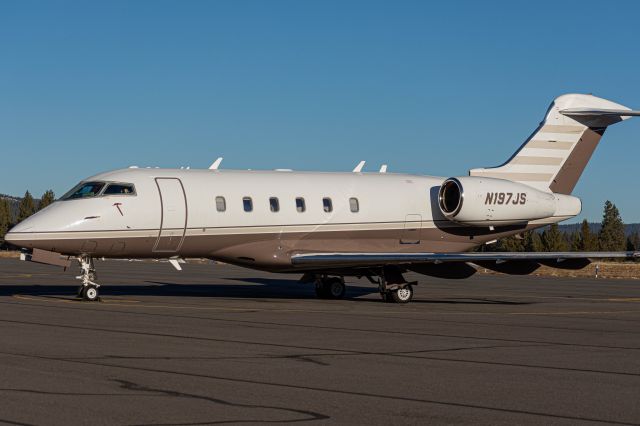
[(89, 293), (89, 288)]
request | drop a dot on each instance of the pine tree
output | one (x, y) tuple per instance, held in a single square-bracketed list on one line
[(588, 241), (633, 242), (553, 240), (5, 217), (47, 198), (511, 243), (531, 241), (611, 235), (576, 241), (27, 207)]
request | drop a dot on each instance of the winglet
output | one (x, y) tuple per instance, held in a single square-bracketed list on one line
[(359, 167), (383, 168), (216, 164)]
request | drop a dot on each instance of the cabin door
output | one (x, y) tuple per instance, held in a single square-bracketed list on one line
[(173, 217), (412, 229)]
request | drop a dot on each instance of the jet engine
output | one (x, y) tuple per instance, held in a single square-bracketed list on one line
[(480, 201)]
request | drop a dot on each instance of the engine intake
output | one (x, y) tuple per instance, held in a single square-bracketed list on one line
[(450, 197), (480, 201)]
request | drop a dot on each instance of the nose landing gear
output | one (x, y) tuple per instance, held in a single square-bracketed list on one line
[(89, 288)]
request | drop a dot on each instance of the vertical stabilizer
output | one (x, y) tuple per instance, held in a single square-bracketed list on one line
[(554, 156)]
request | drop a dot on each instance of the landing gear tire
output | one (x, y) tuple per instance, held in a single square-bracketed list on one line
[(401, 295), (330, 288), (90, 293), (321, 290), (336, 288)]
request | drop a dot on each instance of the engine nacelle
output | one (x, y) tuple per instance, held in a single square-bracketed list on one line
[(480, 201)]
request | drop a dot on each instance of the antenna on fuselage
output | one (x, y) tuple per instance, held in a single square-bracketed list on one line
[(359, 167), (383, 168), (216, 164)]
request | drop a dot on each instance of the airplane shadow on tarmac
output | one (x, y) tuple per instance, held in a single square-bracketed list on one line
[(246, 288)]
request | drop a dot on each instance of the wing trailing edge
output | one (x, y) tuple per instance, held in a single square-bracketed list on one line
[(383, 259)]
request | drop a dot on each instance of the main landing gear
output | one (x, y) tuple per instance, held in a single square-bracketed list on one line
[(89, 288), (393, 287), (330, 287), (391, 284)]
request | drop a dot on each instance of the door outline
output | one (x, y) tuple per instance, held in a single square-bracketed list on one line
[(411, 233), (186, 216)]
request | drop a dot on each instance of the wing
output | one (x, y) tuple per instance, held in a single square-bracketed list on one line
[(356, 260)]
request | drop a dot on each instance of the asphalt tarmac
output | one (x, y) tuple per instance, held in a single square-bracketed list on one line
[(217, 344)]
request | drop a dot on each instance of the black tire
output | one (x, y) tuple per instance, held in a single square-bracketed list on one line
[(321, 290), (90, 293), (335, 288), (402, 295)]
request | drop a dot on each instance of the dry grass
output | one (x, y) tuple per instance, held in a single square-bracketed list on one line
[(9, 254), (621, 270)]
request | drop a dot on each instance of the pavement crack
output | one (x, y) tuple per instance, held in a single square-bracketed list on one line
[(335, 391), (307, 415)]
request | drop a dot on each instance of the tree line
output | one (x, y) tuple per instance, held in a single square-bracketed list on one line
[(27, 206), (611, 236)]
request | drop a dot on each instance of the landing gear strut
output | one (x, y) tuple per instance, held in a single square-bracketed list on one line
[(394, 288), (89, 288), (330, 287)]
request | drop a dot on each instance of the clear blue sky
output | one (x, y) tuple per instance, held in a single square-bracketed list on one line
[(313, 85)]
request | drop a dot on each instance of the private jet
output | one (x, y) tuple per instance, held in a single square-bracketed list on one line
[(328, 226)]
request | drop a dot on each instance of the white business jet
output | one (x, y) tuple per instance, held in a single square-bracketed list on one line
[(326, 226)]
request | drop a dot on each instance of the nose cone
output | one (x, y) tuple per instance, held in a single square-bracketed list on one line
[(10, 238), (21, 235), (28, 232)]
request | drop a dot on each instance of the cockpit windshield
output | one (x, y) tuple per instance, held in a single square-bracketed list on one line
[(84, 190), (119, 189)]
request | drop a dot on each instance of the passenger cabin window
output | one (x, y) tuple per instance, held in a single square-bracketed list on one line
[(221, 204), (120, 189), (327, 205), (84, 190), (274, 204), (247, 203), (354, 205), (300, 206)]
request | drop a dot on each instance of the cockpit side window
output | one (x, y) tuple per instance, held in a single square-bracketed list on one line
[(84, 190), (120, 189)]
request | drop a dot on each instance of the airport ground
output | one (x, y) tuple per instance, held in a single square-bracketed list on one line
[(216, 344)]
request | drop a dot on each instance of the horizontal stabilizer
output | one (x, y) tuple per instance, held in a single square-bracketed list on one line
[(597, 117), (594, 112)]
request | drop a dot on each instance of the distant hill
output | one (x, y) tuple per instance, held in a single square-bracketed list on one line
[(14, 202), (629, 228)]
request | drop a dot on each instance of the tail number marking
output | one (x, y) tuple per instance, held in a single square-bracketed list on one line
[(501, 198)]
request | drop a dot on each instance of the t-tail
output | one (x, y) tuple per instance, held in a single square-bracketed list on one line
[(554, 156)]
